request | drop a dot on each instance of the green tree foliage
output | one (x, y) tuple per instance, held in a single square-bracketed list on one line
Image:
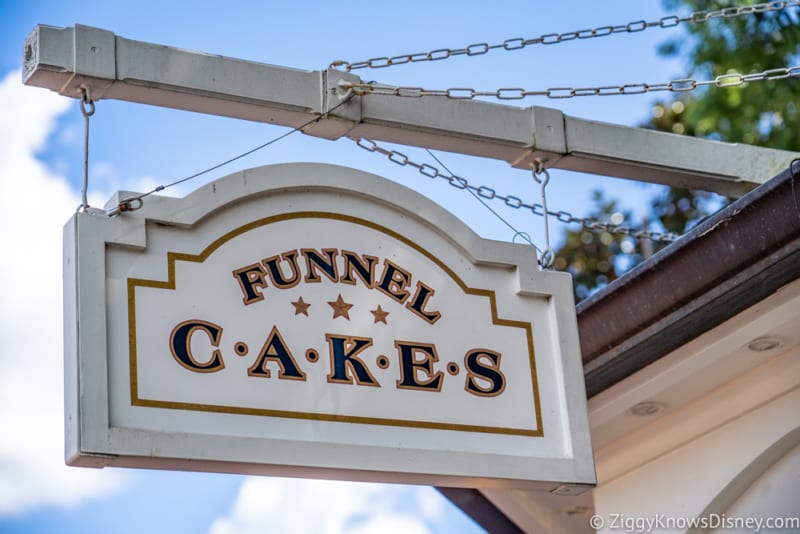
[(759, 113), (596, 258)]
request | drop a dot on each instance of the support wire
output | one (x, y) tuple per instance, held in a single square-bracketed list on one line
[(134, 203), (517, 233)]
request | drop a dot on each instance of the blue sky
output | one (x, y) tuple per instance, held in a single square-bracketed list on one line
[(135, 147)]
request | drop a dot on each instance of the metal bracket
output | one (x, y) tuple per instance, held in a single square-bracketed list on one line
[(66, 59), (62, 59), (342, 108)]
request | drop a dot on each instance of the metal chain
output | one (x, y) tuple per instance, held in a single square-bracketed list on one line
[(516, 93), (87, 109), (511, 201), (517, 43)]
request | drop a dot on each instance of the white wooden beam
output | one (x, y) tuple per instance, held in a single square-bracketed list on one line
[(64, 59)]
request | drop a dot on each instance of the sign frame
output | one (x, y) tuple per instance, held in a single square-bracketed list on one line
[(96, 436)]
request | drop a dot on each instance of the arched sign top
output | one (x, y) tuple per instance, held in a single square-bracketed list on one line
[(319, 321), (340, 183)]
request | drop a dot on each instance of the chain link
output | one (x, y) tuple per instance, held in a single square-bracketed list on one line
[(511, 201), (516, 93), (517, 43)]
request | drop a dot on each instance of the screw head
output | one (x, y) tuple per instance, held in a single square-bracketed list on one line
[(765, 343), (646, 408)]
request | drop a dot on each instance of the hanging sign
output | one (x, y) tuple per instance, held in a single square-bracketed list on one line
[(317, 321)]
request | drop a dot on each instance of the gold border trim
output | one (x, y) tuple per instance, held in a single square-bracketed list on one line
[(170, 283)]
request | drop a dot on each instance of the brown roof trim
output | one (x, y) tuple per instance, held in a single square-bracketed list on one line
[(473, 503), (726, 264)]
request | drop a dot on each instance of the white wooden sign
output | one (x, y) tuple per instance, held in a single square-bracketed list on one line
[(311, 320)]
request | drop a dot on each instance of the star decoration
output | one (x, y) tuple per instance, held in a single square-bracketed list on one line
[(340, 308), (380, 315), (301, 307)]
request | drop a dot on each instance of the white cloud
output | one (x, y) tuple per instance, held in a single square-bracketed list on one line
[(34, 204), (391, 524), (105, 180), (267, 504)]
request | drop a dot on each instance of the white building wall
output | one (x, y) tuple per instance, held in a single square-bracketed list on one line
[(776, 493), (749, 466)]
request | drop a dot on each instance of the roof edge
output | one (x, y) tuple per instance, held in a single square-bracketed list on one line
[(727, 263)]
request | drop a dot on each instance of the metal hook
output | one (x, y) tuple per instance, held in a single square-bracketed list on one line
[(538, 168), (86, 101), (128, 204), (347, 88), (87, 109), (542, 177)]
